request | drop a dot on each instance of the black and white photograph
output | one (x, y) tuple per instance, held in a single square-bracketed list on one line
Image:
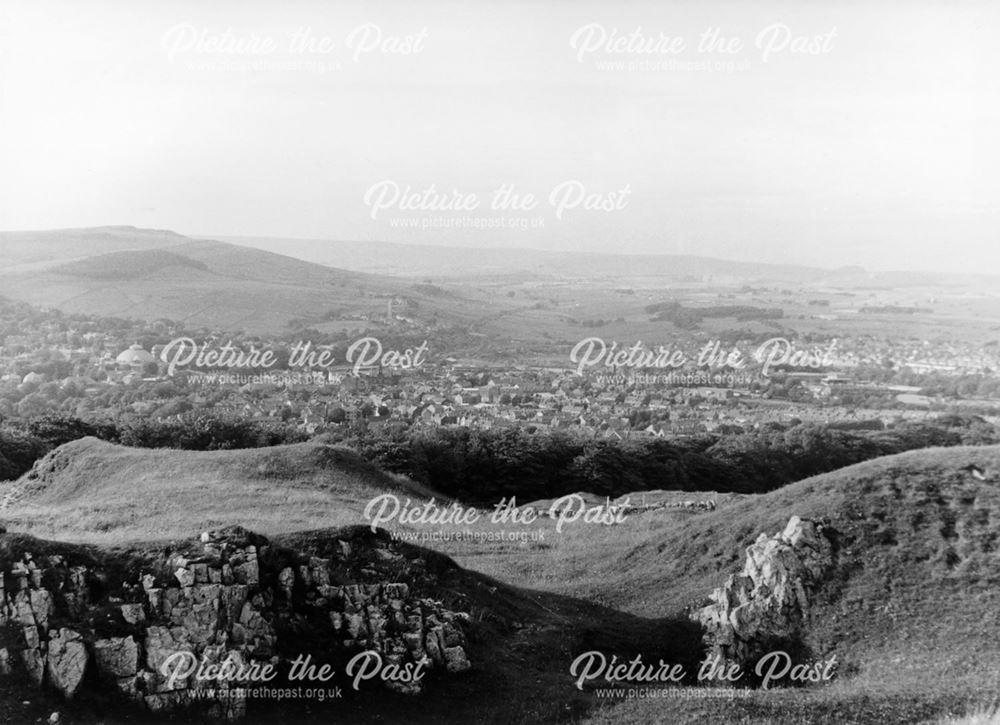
[(534, 362)]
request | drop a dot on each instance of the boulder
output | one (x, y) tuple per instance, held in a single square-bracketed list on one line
[(117, 657), (67, 661), (768, 600)]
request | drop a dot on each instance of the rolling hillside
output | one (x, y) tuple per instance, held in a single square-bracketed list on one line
[(90, 490), (915, 535), (26, 249), (424, 259), (149, 274), (641, 269)]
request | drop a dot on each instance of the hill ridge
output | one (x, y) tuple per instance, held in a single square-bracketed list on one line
[(92, 485)]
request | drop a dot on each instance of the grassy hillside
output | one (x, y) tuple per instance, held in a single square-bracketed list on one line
[(89, 490), (436, 260), (22, 249), (911, 607), (147, 274), (128, 264)]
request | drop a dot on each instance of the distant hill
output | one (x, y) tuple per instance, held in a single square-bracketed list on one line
[(128, 264), (151, 274), (88, 487), (33, 247), (638, 269), (486, 303), (418, 259)]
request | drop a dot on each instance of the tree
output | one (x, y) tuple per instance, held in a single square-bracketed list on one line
[(34, 405)]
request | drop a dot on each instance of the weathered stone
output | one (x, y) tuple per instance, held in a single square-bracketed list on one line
[(319, 569), (41, 605), (397, 591), (154, 597), (247, 573), (31, 638), (167, 701), (232, 599), (185, 577), (455, 659), (67, 661), (33, 660), (117, 657), (344, 549), (22, 610), (133, 613), (213, 607), (161, 643), (305, 575), (768, 600), (286, 580), (130, 687)]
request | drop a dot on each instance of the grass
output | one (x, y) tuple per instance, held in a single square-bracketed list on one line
[(985, 715), (92, 491), (911, 609), (836, 704)]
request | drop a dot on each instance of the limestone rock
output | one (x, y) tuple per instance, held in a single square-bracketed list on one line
[(286, 580), (185, 577), (768, 600), (133, 613), (226, 601), (455, 659), (117, 657), (33, 660), (67, 661)]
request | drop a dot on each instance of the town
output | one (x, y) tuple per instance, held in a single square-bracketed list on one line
[(54, 363)]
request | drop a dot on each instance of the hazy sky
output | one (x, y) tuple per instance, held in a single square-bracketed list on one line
[(875, 142)]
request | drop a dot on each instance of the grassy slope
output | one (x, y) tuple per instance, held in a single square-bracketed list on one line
[(911, 610), (148, 274), (89, 490)]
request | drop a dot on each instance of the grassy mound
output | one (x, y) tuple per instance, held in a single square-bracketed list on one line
[(912, 608), (90, 490)]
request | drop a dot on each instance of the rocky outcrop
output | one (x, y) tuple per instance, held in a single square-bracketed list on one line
[(234, 596), (767, 602)]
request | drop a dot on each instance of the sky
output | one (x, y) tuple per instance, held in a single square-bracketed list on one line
[(822, 134)]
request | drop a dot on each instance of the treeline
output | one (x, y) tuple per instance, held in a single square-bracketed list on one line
[(895, 310), (24, 442), (482, 466), (690, 317)]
